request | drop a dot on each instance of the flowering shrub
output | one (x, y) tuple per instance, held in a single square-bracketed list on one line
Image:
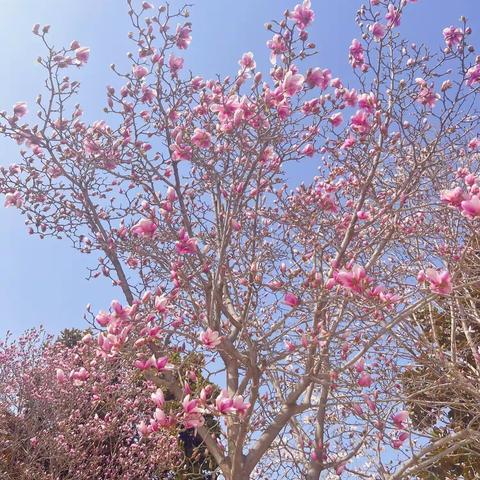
[(65, 414)]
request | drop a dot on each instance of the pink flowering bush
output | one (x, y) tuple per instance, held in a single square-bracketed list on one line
[(295, 301), (66, 414)]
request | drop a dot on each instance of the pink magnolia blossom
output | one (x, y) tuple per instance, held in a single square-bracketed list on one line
[(355, 279), (145, 228), (474, 143), (473, 75), (185, 245), (291, 300), (175, 64), (103, 319), (161, 419), (277, 46), (350, 97), (20, 109), (201, 138), (393, 16), (120, 312), (427, 96), (365, 380), (349, 142), (79, 376), (370, 403), (367, 102), (148, 95), (151, 362), (453, 36), (292, 83), (139, 71), (183, 37), (440, 281), (181, 152), (158, 398), (336, 119), (161, 303), (14, 199), (378, 31), (399, 419), (360, 365), (82, 54), (471, 207), (360, 122), (142, 428), (319, 78), (308, 150), (193, 417), (356, 54), (60, 375), (227, 108), (453, 197), (210, 338), (163, 364), (398, 442), (247, 62), (303, 14), (240, 405), (193, 420), (171, 194), (224, 403)]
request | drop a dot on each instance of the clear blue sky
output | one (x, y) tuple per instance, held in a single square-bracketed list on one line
[(43, 282)]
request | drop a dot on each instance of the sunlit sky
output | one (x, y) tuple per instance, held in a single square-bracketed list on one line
[(43, 282)]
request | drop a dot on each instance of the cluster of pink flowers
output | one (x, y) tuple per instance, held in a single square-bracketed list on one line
[(13, 199), (399, 420), (426, 96), (185, 245), (193, 410), (440, 281), (356, 54), (354, 279), (117, 328), (467, 202)]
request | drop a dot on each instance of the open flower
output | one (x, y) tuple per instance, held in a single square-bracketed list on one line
[(82, 54), (292, 83), (303, 15), (440, 281), (210, 338), (145, 228)]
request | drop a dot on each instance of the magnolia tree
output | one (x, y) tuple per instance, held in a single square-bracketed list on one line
[(299, 300), (65, 415)]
